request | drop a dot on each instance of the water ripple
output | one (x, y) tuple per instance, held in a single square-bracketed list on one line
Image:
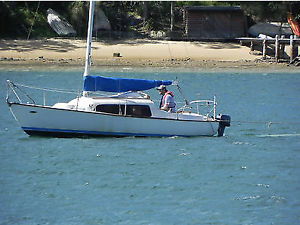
[(248, 198), (263, 185)]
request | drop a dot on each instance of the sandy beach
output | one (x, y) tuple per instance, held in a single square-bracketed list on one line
[(141, 52)]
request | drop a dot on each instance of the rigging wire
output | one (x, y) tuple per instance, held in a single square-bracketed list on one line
[(48, 89)]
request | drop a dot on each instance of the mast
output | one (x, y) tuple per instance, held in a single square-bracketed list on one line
[(89, 42)]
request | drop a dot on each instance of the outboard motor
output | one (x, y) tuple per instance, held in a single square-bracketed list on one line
[(224, 122)]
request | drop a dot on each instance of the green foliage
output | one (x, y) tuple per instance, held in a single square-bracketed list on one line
[(201, 3), (78, 16), (17, 18), (264, 11), (31, 18)]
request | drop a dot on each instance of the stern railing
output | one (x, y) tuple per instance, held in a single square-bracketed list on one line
[(203, 107)]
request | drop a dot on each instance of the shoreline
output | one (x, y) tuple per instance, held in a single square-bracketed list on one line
[(132, 53), (201, 67)]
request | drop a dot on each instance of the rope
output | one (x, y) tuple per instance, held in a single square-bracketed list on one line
[(48, 89)]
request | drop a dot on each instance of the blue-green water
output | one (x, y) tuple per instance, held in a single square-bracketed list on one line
[(250, 176)]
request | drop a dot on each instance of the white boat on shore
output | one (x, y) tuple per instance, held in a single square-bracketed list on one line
[(126, 111)]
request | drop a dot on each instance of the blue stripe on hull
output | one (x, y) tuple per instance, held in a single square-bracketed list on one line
[(64, 132)]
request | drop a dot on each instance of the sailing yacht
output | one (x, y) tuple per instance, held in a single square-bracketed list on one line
[(125, 111)]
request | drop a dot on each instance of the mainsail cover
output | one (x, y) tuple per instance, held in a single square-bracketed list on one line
[(111, 84)]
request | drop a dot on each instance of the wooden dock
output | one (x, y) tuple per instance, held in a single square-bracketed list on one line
[(278, 45)]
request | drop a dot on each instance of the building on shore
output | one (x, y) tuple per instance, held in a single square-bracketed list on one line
[(217, 23)]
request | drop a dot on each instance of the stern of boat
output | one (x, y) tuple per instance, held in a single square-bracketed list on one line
[(224, 121)]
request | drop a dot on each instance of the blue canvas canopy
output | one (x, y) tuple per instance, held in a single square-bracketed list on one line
[(110, 84)]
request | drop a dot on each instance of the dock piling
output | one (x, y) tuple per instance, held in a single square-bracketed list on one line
[(276, 48), (264, 50), (278, 43), (291, 49)]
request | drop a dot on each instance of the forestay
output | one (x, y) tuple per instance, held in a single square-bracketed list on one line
[(111, 84)]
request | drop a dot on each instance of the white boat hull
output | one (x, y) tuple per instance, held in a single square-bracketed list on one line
[(42, 120)]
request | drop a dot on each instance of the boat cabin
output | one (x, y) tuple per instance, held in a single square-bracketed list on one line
[(130, 104), (134, 104)]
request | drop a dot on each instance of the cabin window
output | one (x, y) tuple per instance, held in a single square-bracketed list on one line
[(131, 110), (138, 110), (113, 109)]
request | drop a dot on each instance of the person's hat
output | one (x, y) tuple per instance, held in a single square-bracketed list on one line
[(161, 87)]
